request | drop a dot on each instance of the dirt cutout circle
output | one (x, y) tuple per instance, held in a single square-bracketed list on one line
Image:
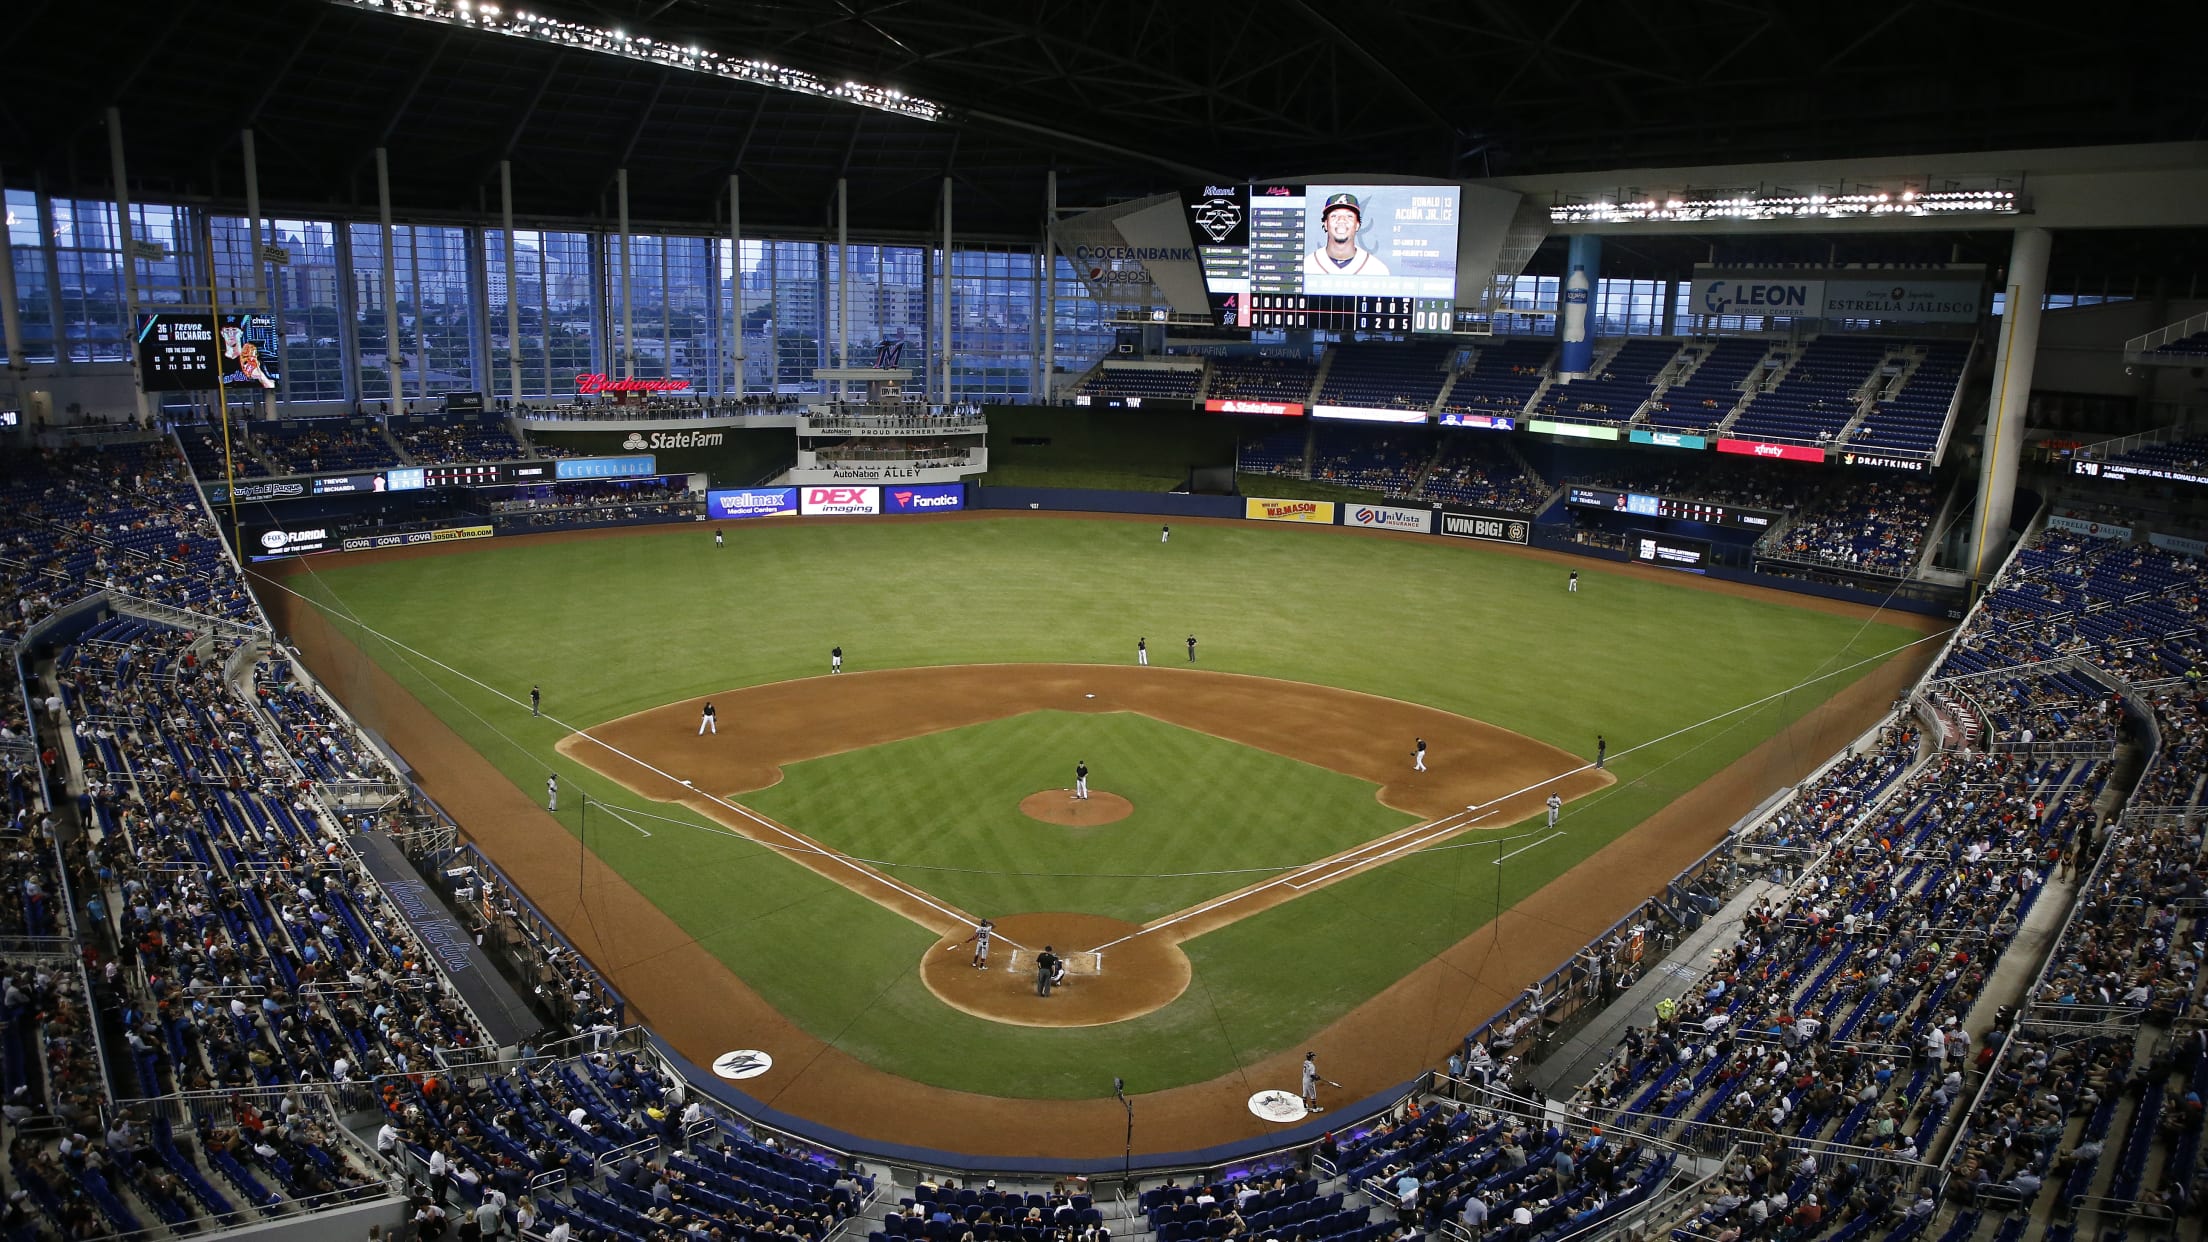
[(1140, 974), (1060, 807)]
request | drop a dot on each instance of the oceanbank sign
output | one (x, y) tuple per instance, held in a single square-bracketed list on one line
[(639, 442), (1126, 265)]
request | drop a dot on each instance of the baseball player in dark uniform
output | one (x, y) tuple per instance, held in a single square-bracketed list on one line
[(536, 700), (1601, 748), (1081, 779), (1192, 649), (1046, 971), (709, 719)]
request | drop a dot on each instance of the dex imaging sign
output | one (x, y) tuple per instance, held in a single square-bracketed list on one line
[(825, 501)]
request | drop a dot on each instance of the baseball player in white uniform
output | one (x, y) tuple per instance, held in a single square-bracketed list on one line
[(1556, 805), (835, 660), (709, 719), (1341, 255), (1165, 534), (1418, 756), (1311, 1082), (1142, 652), (552, 792), (981, 937), (1081, 779), (1571, 584)]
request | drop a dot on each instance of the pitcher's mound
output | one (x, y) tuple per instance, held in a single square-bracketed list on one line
[(1059, 806), (1111, 984)]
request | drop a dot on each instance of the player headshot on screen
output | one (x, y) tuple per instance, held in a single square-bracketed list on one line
[(1341, 255), (234, 345)]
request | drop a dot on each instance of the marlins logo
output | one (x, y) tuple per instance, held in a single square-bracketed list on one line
[(1217, 217)]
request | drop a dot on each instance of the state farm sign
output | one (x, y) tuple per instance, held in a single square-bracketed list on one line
[(817, 501)]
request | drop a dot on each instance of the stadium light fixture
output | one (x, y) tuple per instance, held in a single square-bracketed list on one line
[(1995, 197), (537, 28)]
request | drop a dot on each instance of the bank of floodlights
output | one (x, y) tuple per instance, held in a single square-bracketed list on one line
[(519, 23), (1854, 202)]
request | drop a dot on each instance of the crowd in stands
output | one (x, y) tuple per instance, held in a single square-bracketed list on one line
[(315, 446), (1615, 392), (557, 504), (1875, 525), (1481, 471), (1385, 461), (1502, 378), (1245, 378), (1400, 377), (1709, 478), (203, 448), (458, 441), (915, 417), (1817, 397), (1711, 389), (1146, 383), (920, 453)]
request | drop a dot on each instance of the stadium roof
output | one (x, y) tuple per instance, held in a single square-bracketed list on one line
[(1120, 98)]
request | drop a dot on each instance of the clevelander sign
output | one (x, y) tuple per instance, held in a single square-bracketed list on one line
[(1261, 509), (1385, 517)]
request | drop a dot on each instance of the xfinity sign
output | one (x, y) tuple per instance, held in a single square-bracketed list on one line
[(825, 501)]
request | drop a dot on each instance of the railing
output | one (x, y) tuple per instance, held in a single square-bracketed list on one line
[(2136, 1209), (2141, 348)]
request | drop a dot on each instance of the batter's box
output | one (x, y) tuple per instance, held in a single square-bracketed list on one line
[(1087, 962)]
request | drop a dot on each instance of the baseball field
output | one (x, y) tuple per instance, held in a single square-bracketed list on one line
[(1259, 870)]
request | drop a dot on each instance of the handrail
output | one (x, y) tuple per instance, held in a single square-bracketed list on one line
[(2138, 348), (2104, 1205)]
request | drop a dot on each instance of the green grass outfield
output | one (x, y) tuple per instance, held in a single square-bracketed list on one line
[(1207, 810), (612, 626)]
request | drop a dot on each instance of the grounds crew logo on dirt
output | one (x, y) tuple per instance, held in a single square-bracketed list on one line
[(1262, 509)]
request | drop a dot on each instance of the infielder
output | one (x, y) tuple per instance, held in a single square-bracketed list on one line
[(536, 700), (1192, 649), (1142, 652), (835, 659), (1556, 805), (709, 719), (1602, 748), (552, 792), (982, 934), (1311, 1082), (1418, 756), (1341, 255), (1081, 779)]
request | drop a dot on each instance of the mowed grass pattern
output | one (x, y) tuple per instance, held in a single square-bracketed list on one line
[(1210, 815), (613, 626)]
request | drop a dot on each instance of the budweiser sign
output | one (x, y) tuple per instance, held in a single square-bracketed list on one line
[(592, 382)]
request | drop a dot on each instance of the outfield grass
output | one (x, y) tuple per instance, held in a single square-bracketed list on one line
[(613, 626), (1208, 812)]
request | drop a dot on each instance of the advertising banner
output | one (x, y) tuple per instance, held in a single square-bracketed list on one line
[(343, 484), (1773, 452), (1670, 551), (1388, 517), (1278, 409), (1669, 439), (924, 498), (2120, 471), (256, 491), (1904, 299), (1757, 295), (751, 502), (1369, 413), (2090, 529), (1580, 431), (1491, 422), (1261, 509), (607, 467), (2175, 543), (1880, 461), (822, 501), (412, 538), (268, 542), (1495, 528)]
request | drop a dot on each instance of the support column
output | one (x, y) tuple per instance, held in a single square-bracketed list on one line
[(130, 261), (395, 373), (944, 332), (1577, 318), (1050, 284), (736, 285), (628, 349), (513, 281), (843, 279), (2012, 392), (11, 320), (258, 265)]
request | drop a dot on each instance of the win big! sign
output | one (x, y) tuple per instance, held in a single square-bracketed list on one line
[(823, 501)]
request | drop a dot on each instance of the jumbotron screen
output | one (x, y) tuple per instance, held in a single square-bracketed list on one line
[(181, 351), (1338, 256)]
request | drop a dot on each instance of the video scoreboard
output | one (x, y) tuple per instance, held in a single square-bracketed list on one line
[(1644, 505), (183, 351), (1335, 257)]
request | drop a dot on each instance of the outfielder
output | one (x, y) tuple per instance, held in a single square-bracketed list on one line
[(1081, 779), (1571, 584), (718, 541), (1418, 756), (709, 719), (1556, 804), (1165, 534), (1341, 255)]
